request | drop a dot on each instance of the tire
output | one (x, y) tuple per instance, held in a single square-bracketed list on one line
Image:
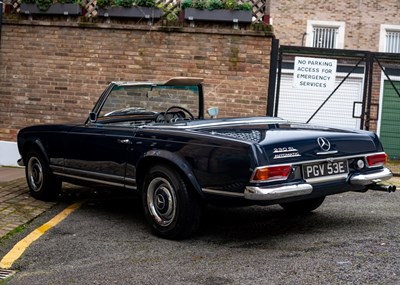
[(41, 182), (304, 206), (172, 209)]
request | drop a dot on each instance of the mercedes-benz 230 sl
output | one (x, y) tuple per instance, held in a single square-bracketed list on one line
[(153, 138)]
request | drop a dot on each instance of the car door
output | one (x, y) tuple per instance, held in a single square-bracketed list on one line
[(98, 152)]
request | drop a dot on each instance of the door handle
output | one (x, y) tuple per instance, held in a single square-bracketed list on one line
[(124, 141)]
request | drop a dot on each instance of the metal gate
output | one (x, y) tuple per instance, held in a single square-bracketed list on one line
[(351, 102)]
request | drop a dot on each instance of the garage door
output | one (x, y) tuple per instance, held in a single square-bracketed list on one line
[(300, 105), (390, 120)]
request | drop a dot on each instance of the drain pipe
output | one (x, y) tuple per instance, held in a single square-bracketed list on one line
[(1, 18)]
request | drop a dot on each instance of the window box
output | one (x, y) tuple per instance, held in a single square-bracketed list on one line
[(134, 12), (69, 9), (219, 15)]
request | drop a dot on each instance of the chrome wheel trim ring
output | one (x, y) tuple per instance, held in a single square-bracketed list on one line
[(161, 201), (35, 174)]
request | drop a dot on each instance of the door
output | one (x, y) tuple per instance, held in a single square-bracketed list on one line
[(98, 153), (390, 120)]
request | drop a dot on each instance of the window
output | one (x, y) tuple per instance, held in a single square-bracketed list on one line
[(325, 34), (389, 39)]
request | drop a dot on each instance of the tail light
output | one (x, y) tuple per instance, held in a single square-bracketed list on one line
[(271, 173), (377, 159)]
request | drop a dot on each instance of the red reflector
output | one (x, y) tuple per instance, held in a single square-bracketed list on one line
[(268, 173), (377, 159)]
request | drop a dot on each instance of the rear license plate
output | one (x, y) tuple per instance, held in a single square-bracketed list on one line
[(324, 169)]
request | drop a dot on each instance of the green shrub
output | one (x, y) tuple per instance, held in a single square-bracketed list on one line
[(230, 4), (145, 3), (245, 6), (215, 5), (104, 3), (124, 3), (186, 4), (200, 4), (43, 5)]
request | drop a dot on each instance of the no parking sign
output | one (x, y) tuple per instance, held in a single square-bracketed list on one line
[(314, 73)]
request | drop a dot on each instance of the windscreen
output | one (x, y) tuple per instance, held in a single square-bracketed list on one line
[(147, 99)]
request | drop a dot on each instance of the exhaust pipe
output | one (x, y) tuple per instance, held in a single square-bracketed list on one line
[(384, 188)]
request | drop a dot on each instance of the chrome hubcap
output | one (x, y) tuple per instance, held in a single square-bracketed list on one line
[(161, 201), (35, 174)]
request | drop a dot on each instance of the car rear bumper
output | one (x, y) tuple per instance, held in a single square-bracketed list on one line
[(370, 178), (293, 190), (273, 193)]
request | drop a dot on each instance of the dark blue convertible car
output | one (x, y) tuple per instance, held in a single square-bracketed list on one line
[(153, 138)]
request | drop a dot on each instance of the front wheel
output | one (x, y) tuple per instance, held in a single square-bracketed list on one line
[(41, 182), (172, 209), (303, 206)]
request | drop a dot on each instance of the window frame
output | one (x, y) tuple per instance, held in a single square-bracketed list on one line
[(340, 26), (382, 35)]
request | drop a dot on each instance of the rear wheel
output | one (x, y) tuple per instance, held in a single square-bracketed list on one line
[(41, 182), (303, 206), (172, 209)]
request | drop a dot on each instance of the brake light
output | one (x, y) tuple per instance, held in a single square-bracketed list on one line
[(376, 159), (270, 173)]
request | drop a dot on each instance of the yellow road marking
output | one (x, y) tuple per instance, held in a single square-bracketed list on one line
[(22, 245)]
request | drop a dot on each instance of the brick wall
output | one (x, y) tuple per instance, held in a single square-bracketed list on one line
[(362, 18), (54, 71)]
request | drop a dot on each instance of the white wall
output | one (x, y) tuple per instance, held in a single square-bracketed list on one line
[(8, 153)]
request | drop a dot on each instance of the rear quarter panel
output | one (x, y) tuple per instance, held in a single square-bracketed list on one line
[(219, 163)]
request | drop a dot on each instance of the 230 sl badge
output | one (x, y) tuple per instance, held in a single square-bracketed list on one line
[(285, 152)]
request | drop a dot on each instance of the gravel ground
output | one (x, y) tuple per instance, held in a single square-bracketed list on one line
[(352, 238)]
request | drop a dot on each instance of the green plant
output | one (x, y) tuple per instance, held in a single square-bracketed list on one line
[(245, 6), (231, 4), (43, 5), (145, 3), (200, 4), (186, 4), (124, 3), (104, 3), (215, 4)]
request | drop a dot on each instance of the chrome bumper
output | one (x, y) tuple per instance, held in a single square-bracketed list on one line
[(368, 180), (371, 178), (273, 193)]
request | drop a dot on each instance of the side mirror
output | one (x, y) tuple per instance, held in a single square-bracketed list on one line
[(213, 112), (92, 117)]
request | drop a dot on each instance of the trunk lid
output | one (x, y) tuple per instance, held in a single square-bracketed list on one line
[(283, 142)]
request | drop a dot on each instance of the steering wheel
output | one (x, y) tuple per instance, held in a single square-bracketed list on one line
[(180, 108)]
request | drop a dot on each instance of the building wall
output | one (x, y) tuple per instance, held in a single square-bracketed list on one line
[(362, 19), (53, 72)]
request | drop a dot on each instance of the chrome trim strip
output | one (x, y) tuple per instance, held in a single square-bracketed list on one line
[(260, 121), (331, 159), (89, 179), (81, 175), (273, 193), (327, 152), (223, 193), (371, 178)]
